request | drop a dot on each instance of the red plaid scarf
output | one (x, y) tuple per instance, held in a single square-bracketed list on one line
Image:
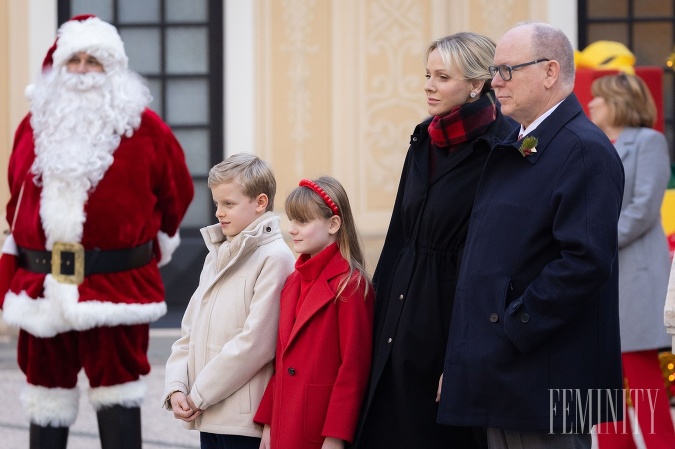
[(464, 122)]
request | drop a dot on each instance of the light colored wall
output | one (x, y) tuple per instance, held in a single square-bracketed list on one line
[(27, 29), (14, 48), (5, 122)]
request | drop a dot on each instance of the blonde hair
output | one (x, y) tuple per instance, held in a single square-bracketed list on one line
[(252, 173), (629, 100), (304, 204), (470, 53)]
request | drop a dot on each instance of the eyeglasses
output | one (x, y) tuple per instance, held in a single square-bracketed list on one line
[(505, 71)]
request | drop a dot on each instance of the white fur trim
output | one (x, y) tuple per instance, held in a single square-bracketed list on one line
[(128, 395), (93, 36), (167, 246), (9, 247), (62, 211), (29, 91), (59, 311), (56, 407)]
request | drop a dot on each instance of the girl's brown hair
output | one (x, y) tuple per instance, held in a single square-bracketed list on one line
[(304, 204)]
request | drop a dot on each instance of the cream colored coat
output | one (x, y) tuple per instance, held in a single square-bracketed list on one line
[(228, 334)]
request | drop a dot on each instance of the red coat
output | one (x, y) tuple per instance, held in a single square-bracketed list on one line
[(322, 359), (145, 191)]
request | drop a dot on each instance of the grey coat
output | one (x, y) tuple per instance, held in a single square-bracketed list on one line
[(644, 260)]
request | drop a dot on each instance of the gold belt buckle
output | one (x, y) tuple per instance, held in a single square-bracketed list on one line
[(78, 271)]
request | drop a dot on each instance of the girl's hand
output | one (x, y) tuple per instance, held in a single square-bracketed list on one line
[(265, 440), (332, 443), (438, 392)]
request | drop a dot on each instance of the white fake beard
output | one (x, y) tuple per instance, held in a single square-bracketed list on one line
[(74, 130), (75, 138)]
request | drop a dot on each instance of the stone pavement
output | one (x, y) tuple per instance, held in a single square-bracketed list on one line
[(160, 428)]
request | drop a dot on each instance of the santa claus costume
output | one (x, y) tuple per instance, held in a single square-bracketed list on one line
[(99, 186)]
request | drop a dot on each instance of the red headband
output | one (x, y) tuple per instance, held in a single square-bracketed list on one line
[(322, 193)]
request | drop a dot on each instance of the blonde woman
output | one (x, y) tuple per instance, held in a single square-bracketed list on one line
[(415, 278)]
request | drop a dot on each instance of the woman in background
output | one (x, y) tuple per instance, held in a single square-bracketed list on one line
[(624, 109)]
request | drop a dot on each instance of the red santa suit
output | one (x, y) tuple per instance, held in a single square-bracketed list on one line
[(133, 211)]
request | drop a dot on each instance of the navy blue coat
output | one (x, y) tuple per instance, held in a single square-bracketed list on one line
[(535, 328)]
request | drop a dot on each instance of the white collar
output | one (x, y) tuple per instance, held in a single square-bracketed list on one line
[(525, 131)]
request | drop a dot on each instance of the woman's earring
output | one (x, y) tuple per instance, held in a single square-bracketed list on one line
[(473, 94)]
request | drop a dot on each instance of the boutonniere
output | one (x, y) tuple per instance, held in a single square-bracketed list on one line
[(528, 146)]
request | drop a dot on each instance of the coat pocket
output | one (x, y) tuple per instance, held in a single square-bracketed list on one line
[(316, 408)]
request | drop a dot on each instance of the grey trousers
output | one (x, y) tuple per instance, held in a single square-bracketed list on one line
[(533, 439)]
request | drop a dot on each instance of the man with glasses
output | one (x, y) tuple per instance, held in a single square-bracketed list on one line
[(534, 353)]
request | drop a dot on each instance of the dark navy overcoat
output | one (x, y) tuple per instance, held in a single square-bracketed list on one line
[(534, 340)]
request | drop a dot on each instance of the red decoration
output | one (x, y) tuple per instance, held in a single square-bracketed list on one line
[(322, 193)]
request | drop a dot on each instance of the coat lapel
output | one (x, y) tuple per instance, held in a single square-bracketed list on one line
[(626, 142), (289, 301), (547, 130), (247, 240), (453, 160), (320, 295), (421, 155)]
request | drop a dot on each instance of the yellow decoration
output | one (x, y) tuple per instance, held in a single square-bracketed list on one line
[(670, 62), (667, 360), (606, 55), (577, 58), (668, 212)]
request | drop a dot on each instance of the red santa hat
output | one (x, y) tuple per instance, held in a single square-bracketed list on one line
[(91, 35)]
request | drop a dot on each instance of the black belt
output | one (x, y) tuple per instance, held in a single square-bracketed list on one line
[(70, 262)]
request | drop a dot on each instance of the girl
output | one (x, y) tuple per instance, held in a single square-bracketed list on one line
[(325, 326)]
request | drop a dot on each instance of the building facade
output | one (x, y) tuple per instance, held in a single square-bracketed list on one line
[(313, 86)]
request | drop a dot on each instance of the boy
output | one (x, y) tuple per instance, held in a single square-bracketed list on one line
[(219, 367)]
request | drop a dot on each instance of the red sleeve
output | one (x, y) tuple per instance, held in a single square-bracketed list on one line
[(175, 189), (264, 414), (8, 265), (20, 161)]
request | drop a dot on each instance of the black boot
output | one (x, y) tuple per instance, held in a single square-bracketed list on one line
[(120, 427), (48, 437)]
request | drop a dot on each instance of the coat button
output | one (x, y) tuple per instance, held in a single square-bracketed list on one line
[(494, 317), (389, 341), (291, 371), (400, 298), (524, 317)]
